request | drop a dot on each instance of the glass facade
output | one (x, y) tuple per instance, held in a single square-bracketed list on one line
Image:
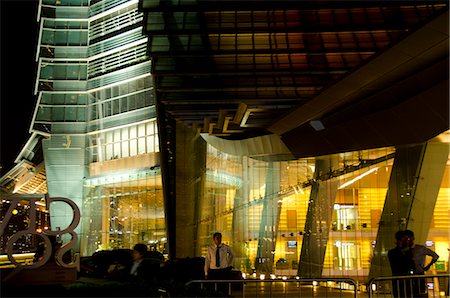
[(96, 108), (238, 191), (122, 210)]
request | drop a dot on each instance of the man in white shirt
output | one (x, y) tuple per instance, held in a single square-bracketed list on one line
[(219, 259)]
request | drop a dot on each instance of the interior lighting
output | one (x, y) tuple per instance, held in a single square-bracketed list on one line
[(254, 275), (273, 276), (317, 125), (40, 204), (284, 278), (315, 283), (357, 178), (262, 276), (244, 275)]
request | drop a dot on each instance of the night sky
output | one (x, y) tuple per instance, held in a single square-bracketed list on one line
[(18, 71)]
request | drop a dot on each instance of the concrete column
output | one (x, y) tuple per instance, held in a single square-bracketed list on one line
[(190, 166)]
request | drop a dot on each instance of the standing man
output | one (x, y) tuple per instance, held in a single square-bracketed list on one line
[(219, 259), (419, 254), (402, 264)]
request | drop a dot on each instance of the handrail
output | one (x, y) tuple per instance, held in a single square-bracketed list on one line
[(299, 280), (404, 277)]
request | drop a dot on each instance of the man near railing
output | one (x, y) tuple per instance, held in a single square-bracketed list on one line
[(401, 261), (219, 262), (219, 259), (419, 254)]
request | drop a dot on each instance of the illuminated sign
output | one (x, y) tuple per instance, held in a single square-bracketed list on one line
[(32, 230)]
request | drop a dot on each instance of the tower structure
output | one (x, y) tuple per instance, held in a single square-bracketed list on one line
[(95, 107)]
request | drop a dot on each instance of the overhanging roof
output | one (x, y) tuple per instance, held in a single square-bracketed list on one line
[(361, 70)]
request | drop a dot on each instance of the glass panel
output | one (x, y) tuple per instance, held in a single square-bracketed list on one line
[(73, 72), (133, 147), (141, 146), (150, 143), (57, 114), (109, 152), (48, 37), (123, 210), (44, 114), (81, 114), (61, 37), (71, 114), (125, 149)]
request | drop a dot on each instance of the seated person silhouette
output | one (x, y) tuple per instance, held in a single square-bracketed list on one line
[(144, 266)]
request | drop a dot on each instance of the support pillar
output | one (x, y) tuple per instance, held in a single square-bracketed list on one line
[(318, 222), (428, 184), (240, 227), (269, 219), (412, 192)]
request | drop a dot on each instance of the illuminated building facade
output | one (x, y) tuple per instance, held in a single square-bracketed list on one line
[(169, 157), (96, 111), (288, 219)]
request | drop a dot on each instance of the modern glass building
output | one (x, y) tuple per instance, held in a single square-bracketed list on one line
[(166, 121), (96, 111)]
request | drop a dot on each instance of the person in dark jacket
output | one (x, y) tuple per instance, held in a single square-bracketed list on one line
[(138, 267), (419, 254), (146, 265), (402, 264)]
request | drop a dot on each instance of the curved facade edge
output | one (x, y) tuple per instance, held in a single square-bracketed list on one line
[(267, 147)]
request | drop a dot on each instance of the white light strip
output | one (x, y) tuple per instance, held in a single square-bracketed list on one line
[(118, 49), (357, 178), (116, 83), (114, 9), (120, 127)]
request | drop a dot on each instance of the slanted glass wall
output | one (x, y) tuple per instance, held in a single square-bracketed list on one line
[(235, 194), (356, 214)]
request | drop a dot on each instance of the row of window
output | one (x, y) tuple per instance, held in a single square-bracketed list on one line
[(124, 142)]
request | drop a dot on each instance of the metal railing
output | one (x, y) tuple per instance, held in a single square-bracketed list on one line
[(277, 288), (436, 285)]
